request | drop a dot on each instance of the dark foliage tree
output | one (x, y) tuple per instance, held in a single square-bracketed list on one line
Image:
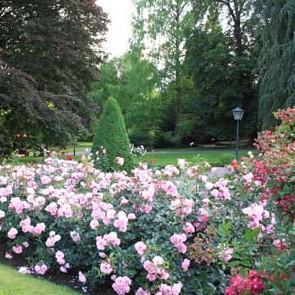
[(49, 54), (111, 135), (221, 61), (277, 63), (220, 84)]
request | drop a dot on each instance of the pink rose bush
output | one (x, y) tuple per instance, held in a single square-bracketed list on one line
[(176, 230)]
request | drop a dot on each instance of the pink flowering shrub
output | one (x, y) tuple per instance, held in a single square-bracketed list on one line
[(177, 230), (64, 216)]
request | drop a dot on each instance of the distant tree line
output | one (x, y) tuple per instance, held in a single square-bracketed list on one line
[(191, 62)]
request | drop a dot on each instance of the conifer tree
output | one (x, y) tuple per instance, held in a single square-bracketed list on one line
[(112, 137)]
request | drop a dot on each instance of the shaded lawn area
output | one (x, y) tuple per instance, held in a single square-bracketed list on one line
[(216, 157), (80, 146), (159, 157), (14, 283)]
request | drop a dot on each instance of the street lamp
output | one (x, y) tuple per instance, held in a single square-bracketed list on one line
[(238, 116)]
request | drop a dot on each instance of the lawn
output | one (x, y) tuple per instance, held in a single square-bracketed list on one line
[(80, 146), (160, 157), (216, 157), (14, 283)]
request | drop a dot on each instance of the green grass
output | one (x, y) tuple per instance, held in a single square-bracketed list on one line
[(14, 283), (161, 157), (217, 157)]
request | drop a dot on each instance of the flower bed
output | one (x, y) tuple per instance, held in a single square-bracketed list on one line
[(178, 230)]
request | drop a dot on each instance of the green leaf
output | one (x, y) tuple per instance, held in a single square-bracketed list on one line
[(251, 235)]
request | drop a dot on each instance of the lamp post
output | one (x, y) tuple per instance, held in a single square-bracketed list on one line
[(238, 116)]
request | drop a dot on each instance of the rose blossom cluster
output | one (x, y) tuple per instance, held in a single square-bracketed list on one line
[(218, 190), (182, 206), (41, 269), (178, 242), (36, 230), (122, 285), (256, 213), (52, 239), (155, 269), (60, 259), (108, 240), (170, 290), (252, 284)]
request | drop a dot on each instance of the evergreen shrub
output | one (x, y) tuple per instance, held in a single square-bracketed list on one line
[(111, 140)]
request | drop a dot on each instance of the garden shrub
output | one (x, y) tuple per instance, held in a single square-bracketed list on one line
[(274, 170), (176, 230), (111, 146)]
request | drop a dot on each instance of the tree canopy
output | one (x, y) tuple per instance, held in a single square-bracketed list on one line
[(277, 63), (202, 58), (49, 53)]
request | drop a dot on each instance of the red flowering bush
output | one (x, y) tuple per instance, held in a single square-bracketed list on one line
[(274, 172), (277, 165), (252, 284)]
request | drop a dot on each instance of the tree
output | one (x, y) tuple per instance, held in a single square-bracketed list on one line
[(166, 24), (111, 135), (49, 54), (222, 80), (134, 80), (277, 60), (206, 67), (221, 58)]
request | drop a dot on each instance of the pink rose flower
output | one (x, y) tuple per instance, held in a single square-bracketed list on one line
[(81, 277), (75, 236), (122, 285), (185, 264), (188, 228), (41, 269), (94, 224), (12, 233), (178, 241), (45, 179), (8, 256), (39, 228), (170, 290), (106, 268), (2, 214), (121, 222), (226, 254), (140, 248), (18, 249), (100, 243)]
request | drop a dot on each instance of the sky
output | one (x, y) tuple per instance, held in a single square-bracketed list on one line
[(120, 30)]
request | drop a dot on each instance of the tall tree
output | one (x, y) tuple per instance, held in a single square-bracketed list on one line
[(239, 14), (240, 40), (49, 53), (277, 63), (165, 24)]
